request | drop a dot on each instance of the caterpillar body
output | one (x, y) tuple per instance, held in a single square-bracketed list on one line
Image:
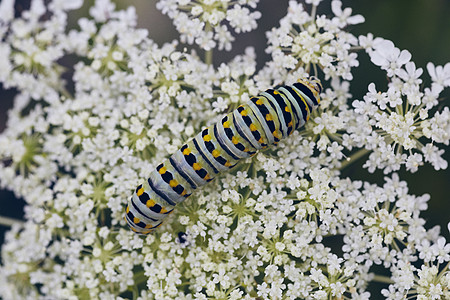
[(262, 121)]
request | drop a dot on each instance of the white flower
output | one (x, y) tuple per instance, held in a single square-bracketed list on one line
[(203, 22), (399, 127), (343, 17), (304, 40), (440, 75), (235, 17), (388, 57), (6, 11), (268, 228)]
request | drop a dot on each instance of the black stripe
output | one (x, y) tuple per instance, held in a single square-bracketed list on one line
[(144, 198), (264, 110), (140, 224), (129, 221), (221, 143), (276, 119), (182, 174), (139, 211), (301, 103), (159, 193), (138, 188), (240, 132), (204, 157), (209, 145), (297, 98), (306, 91), (167, 176), (271, 104), (282, 105)]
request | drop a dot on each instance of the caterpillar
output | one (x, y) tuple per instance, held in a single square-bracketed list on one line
[(264, 120)]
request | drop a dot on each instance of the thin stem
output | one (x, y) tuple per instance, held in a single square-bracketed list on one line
[(66, 93), (356, 48), (8, 222), (445, 269), (382, 279), (313, 12), (354, 157), (208, 53), (209, 57)]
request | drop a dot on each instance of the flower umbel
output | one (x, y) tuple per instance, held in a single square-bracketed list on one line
[(283, 224)]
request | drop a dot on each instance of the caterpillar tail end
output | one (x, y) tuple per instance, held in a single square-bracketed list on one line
[(135, 223)]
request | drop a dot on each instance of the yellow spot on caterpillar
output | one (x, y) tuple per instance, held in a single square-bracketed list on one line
[(163, 210), (227, 164), (207, 138), (260, 141), (162, 170), (259, 102), (150, 203), (173, 183), (207, 177), (136, 220), (186, 151), (276, 92), (276, 134), (183, 193), (128, 209), (216, 153), (290, 124), (243, 113), (140, 192), (226, 124), (235, 140), (196, 166), (148, 226), (269, 117), (253, 127), (286, 109)]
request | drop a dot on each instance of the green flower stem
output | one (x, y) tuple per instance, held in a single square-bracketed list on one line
[(354, 157), (208, 53), (313, 12), (382, 279), (8, 222), (444, 270), (66, 93), (209, 57)]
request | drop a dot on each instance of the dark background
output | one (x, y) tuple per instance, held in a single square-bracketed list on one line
[(420, 26)]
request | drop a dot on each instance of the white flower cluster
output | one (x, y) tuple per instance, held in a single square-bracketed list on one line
[(30, 48), (284, 224), (398, 124), (306, 41), (204, 22)]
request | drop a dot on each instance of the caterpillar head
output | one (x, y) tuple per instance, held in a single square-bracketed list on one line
[(314, 84)]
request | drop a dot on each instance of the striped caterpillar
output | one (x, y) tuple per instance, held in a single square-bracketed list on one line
[(262, 121)]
